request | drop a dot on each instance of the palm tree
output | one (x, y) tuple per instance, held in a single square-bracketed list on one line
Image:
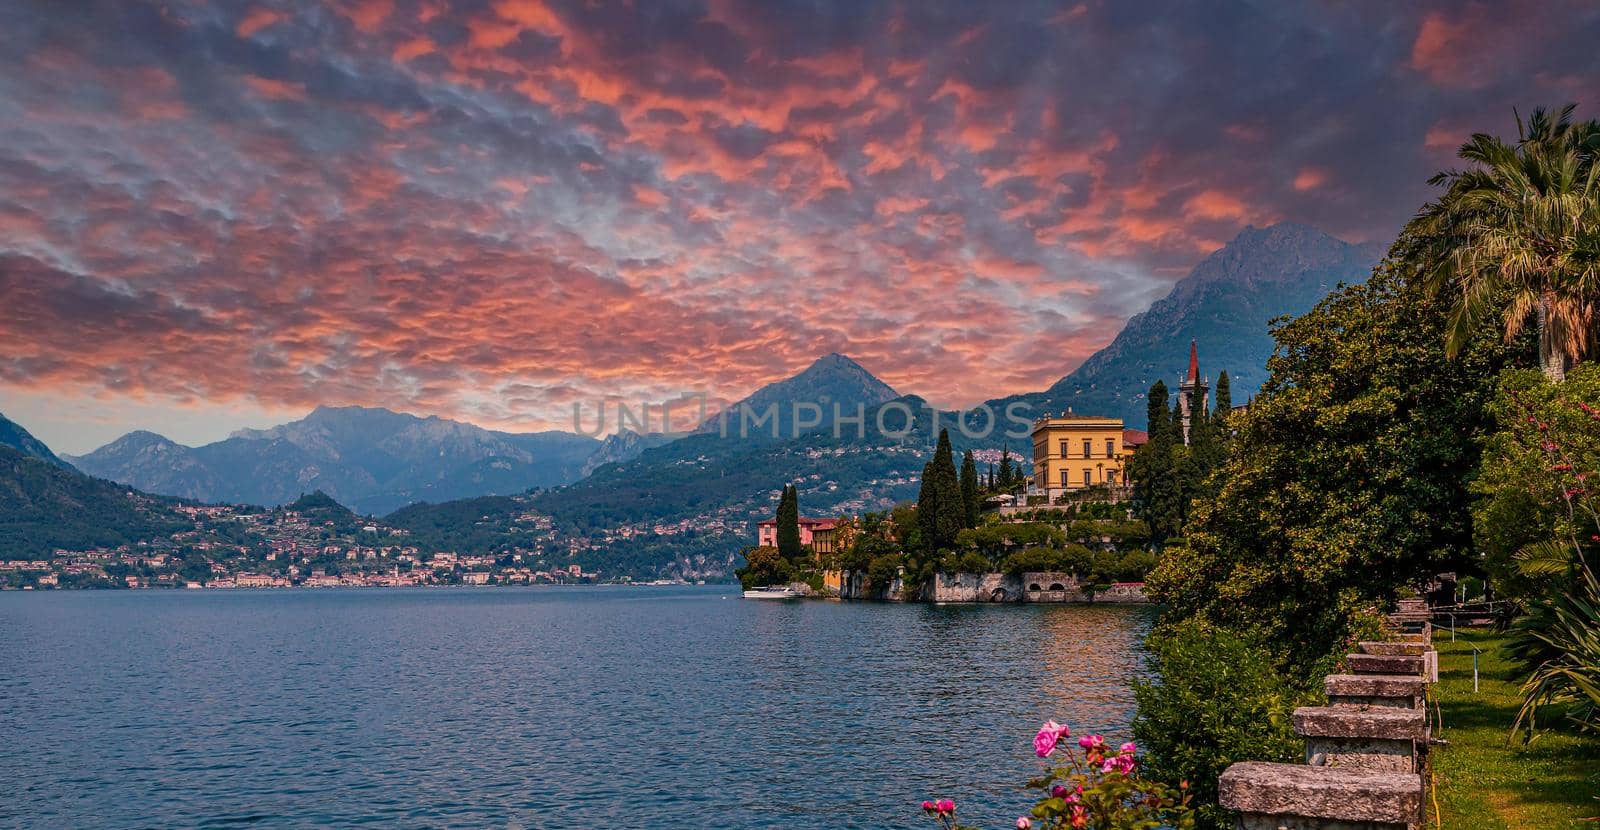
[(1519, 232)]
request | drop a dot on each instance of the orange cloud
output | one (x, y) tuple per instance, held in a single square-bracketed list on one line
[(276, 90), (1310, 178), (258, 18)]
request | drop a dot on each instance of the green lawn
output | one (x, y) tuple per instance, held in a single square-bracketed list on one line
[(1484, 782)]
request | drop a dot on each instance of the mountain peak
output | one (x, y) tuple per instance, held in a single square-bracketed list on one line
[(829, 380), (836, 363)]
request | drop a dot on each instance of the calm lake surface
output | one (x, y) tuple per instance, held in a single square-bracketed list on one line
[(539, 707)]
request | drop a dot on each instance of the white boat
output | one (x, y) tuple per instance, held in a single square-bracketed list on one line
[(772, 592)]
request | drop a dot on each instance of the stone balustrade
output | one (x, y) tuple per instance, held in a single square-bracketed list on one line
[(1366, 751)]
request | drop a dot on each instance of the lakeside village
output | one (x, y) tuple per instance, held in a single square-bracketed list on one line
[(313, 543), (1063, 531)]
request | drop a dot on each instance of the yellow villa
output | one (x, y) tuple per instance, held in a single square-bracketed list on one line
[(1071, 452)]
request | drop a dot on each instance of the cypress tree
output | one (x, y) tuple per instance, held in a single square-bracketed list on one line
[(1156, 410), (789, 524), (1219, 420), (969, 490), (928, 507), (991, 477), (1156, 466), (951, 515), (1006, 479)]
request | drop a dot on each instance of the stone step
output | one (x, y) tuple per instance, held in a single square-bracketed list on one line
[(1404, 605), (1392, 648), (1377, 738), (1300, 797), (1385, 664), (1400, 690), (1383, 722)]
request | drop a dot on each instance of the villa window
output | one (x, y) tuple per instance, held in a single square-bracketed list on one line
[(1111, 448), (1065, 481), (1087, 453), (1088, 477), (1111, 476), (1064, 452)]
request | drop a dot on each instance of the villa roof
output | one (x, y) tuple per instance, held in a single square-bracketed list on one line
[(1194, 363), (814, 524), (1134, 437)]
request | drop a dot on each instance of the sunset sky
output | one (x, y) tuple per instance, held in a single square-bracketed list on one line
[(223, 214)]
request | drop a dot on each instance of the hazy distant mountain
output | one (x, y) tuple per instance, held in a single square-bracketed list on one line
[(623, 446), (14, 436), (1223, 305), (832, 380), (373, 460)]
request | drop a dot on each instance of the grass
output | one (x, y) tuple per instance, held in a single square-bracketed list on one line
[(1483, 781)]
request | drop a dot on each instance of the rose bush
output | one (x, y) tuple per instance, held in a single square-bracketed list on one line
[(1095, 788)]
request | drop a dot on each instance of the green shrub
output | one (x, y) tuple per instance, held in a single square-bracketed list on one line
[(1557, 645), (1218, 700), (973, 563)]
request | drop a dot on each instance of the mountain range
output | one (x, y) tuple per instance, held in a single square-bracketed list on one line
[(373, 460), (644, 503)]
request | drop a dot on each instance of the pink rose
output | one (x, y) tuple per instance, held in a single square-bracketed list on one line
[(1049, 735), (928, 806), (947, 806), (1058, 791), (1092, 742), (1023, 823), (1129, 748)]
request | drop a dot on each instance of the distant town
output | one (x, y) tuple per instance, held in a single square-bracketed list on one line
[(312, 544)]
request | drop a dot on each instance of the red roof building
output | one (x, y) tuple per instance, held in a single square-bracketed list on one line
[(818, 533)]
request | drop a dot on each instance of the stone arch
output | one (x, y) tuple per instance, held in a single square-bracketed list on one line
[(1056, 586), (1033, 586), (999, 595)]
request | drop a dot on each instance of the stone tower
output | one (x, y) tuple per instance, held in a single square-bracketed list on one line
[(1192, 392)]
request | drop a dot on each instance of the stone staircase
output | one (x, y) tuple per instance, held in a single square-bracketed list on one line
[(1366, 751)]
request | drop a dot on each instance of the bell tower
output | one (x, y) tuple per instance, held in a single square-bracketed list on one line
[(1192, 392)]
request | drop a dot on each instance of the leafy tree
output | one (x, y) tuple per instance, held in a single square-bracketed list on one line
[(969, 490), (789, 524), (764, 565), (1517, 235), (1349, 473)]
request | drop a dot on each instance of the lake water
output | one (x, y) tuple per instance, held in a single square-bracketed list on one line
[(539, 707)]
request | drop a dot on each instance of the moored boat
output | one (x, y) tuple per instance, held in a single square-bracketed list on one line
[(771, 592)]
